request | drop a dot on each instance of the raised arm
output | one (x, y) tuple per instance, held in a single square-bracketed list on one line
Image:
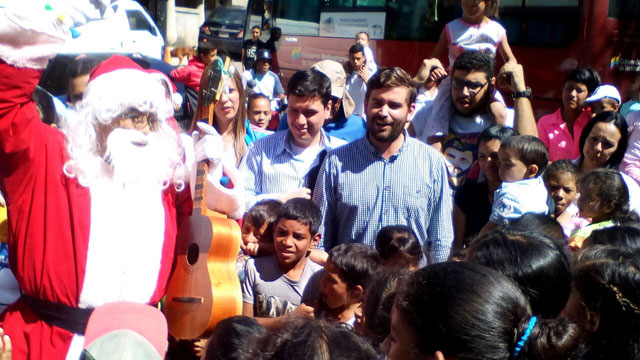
[(512, 76)]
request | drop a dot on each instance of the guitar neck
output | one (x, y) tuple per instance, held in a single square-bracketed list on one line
[(199, 202)]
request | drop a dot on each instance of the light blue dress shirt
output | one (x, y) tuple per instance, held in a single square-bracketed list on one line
[(270, 167), (358, 192)]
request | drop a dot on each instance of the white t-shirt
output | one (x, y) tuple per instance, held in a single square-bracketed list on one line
[(269, 84), (357, 88)]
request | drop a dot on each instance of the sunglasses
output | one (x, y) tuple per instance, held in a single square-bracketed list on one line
[(473, 86)]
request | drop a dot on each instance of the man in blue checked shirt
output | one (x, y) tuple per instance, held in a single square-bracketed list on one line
[(280, 165), (386, 178)]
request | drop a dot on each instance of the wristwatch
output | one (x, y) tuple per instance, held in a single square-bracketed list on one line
[(526, 93)]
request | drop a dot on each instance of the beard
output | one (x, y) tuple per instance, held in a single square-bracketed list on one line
[(395, 129), (135, 159)]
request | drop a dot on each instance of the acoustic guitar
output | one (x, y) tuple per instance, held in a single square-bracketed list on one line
[(204, 287)]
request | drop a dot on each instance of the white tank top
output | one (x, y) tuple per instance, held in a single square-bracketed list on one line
[(463, 37)]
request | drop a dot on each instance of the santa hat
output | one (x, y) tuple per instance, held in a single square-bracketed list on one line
[(119, 83)]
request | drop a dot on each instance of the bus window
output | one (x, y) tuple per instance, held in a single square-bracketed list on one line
[(624, 9), (297, 17), (543, 23)]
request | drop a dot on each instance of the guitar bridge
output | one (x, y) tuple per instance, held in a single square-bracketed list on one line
[(189, 299)]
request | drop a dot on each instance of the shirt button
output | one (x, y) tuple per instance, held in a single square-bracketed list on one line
[(386, 212), (387, 187)]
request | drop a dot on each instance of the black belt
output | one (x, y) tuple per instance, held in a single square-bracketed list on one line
[(72, 319)]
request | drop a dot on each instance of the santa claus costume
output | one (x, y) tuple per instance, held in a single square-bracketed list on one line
[(93, 209)]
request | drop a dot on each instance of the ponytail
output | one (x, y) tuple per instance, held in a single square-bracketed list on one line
[(548, 339)]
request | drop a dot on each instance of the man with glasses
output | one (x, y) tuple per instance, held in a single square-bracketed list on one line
[(472, 87)]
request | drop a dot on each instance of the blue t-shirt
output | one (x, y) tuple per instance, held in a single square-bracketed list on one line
[(349, 129)]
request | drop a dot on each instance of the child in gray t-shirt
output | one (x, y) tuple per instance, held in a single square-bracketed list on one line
[(275, 285)]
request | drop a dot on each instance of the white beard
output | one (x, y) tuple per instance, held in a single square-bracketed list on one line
[(135, 159)]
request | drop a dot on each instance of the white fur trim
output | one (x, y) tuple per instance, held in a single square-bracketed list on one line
[(27, 40), (109, 94), (125, 244), (75, 348)]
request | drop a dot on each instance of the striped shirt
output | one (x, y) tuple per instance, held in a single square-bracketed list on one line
[(358, 192), (270, 166)]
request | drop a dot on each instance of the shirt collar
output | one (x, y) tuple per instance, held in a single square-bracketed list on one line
[(286, 144)]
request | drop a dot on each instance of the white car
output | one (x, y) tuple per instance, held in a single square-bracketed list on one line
[(125, 28)]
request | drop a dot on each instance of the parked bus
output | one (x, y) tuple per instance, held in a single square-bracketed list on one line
[(549, 37)]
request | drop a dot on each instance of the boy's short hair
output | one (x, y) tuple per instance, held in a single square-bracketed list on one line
[(529, 149), (561, 165), (390, 78), (255, 96), (475, 61), (303, 211), (356, 263), (311, 83), (356, 48), (205, 47), (256, 27), (497, 132), (265, 211)]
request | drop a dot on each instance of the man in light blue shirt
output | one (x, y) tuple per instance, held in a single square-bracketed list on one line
[(279, 166), (386, 178)]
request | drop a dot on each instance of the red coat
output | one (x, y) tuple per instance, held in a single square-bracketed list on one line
[(50, 220), (190, 75)]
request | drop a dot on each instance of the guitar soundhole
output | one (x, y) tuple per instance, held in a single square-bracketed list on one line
[(192, 254)]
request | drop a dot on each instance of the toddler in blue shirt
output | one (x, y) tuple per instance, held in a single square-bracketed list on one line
[(522, 159)]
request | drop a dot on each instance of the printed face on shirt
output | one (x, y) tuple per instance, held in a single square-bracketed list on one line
[(601, 143), (292, 241), (459, 159), (357, 60), (305, 116), (470, 91), (562, 187), (387, 113), (260, 112), (333, 290), (574, 94), (401, 343), (227, 107), (488, 159), (252, 234), (511, 168)]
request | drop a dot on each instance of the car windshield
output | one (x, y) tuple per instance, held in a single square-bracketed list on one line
[(224, 15)]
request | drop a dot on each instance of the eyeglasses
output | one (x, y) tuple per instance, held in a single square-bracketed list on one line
[(473, 86), (138, 119)]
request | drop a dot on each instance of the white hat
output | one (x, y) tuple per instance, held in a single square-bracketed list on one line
[(605, 91), (335, 73)]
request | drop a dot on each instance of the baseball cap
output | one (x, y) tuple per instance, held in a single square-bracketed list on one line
[(125, 330), (335, 73), (605, 91)]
